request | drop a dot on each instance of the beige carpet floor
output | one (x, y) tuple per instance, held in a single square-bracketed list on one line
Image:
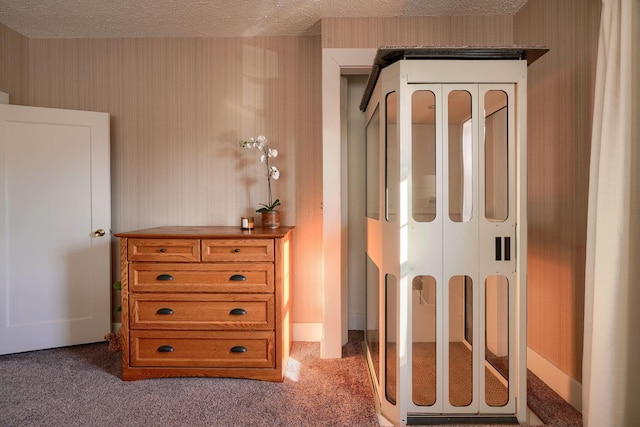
[(460, 371), (81, 386)]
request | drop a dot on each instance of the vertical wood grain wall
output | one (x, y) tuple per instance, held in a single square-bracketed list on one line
[(179, 106), (560, 109), (14, 65), (559, 122), (417, 31)]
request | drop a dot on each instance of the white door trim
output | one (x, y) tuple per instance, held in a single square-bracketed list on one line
[(334, 61)]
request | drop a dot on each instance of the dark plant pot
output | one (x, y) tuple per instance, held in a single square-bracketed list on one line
[(271, 219)]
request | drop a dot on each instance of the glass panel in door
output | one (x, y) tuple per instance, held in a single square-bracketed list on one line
[(392, 159), (423, 355), (372, 335), (496, 156), (372, 148), (460, 149), (423, 155), (391, 348), (497, 340), (460, 346)]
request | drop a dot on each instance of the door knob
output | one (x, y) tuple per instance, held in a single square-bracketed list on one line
[(99, 232)]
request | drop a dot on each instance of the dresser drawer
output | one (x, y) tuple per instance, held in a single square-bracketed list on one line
[(201, 277), (164, 250), (237, 250), (201, 311), (193, 349)]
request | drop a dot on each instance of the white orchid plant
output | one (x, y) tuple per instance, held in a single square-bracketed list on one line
[(261, 144)]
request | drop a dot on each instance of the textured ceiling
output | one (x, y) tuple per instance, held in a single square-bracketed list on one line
[(216, 18)]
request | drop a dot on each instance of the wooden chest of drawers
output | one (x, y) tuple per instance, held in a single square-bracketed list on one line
[(206, 301)]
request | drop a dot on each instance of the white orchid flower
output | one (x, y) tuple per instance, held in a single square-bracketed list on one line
[(260, 143), (274, 172)]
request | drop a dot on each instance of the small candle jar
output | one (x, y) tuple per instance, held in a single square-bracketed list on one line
[(246, 223)]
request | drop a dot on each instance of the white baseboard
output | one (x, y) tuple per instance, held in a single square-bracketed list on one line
[(357, 321), (307, 332), (568, 388)]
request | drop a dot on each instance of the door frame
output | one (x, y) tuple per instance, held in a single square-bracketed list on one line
[(335, 63)]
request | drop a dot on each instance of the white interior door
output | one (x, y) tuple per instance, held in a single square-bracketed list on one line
[(55, 279)]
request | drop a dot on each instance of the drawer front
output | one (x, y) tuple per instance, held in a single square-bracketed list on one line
[(177, 250), (197, 311), (168, 277), (204, 349), (237, 250)]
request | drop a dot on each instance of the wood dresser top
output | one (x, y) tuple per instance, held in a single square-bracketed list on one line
[(205, 232)]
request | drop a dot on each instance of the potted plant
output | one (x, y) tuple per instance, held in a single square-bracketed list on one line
[(270, 216)]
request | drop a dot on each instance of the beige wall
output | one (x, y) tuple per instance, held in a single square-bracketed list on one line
[(14, 65), (560, 108), (178, 110), (559, 122), (179, 106), (417, 31)]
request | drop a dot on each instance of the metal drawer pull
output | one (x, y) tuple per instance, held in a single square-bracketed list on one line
[(238, 349), (164, 277), (238, 311), (238, 278), (165, 349), (163, 250), (164, 311)]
